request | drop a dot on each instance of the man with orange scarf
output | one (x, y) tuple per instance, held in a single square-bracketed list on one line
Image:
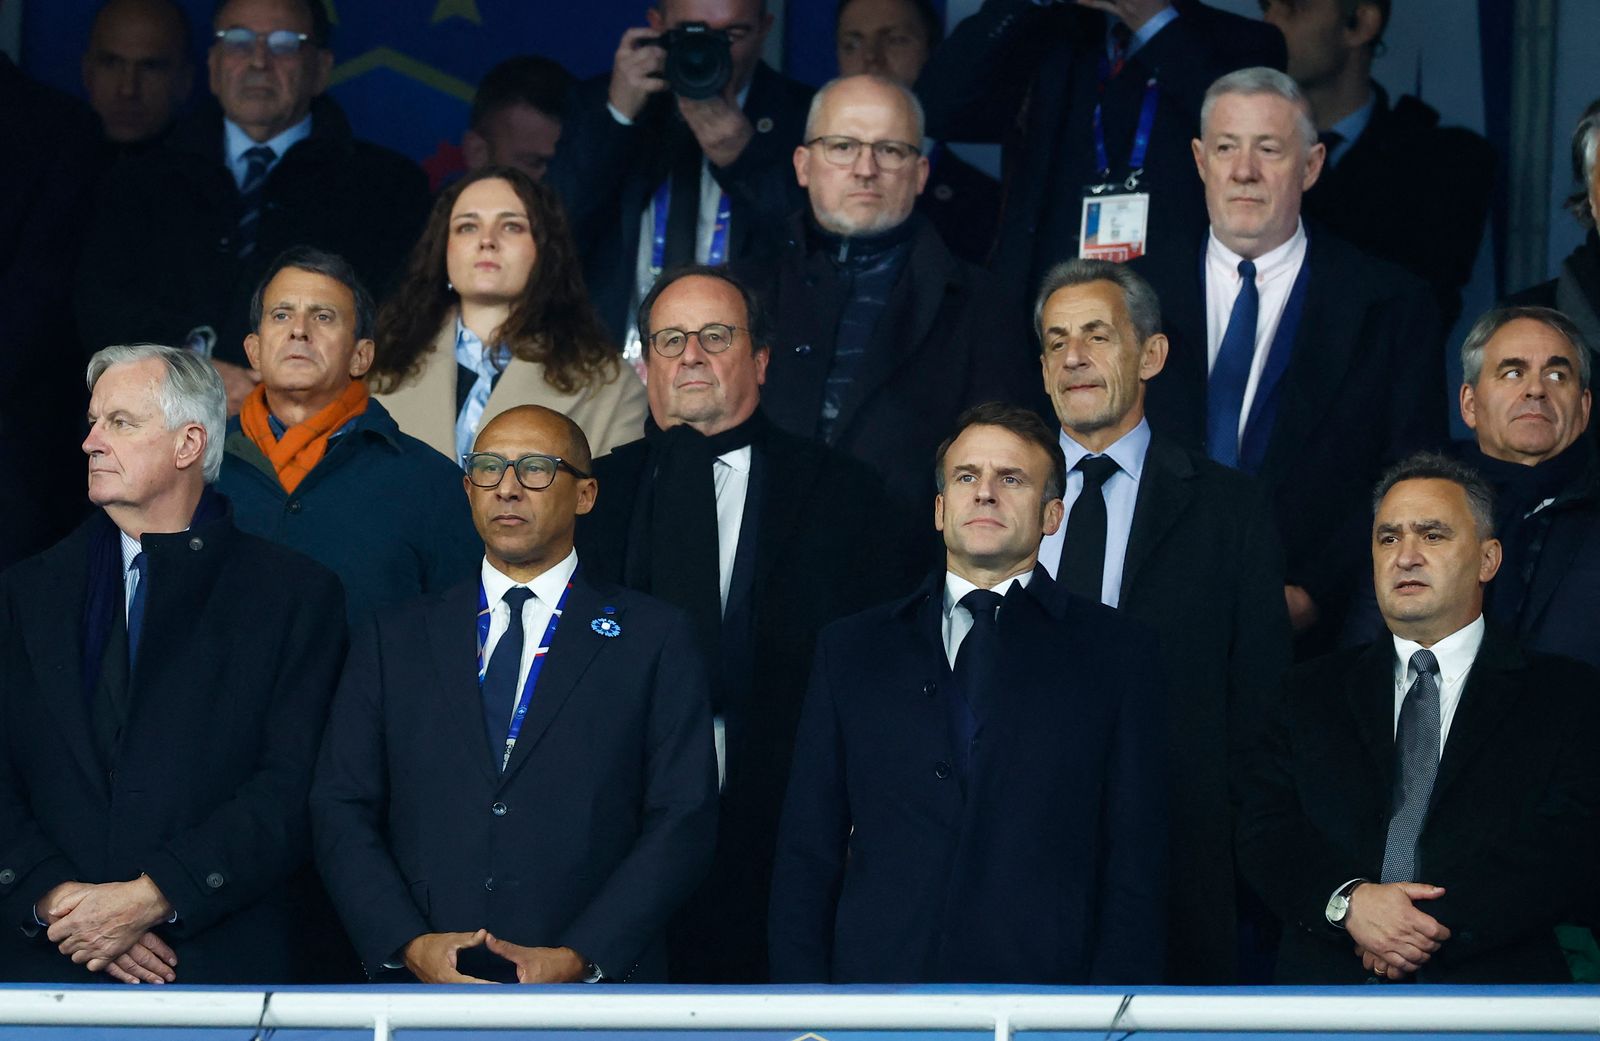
[(312, 462)]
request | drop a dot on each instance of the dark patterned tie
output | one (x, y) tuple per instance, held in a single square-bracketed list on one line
[(1083, 552), (500, 678), (1231, 374), (140, 564), (974, 667), (258, 160), (1416, 750)]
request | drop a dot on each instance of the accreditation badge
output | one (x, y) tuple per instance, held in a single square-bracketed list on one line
[(1114, 224)]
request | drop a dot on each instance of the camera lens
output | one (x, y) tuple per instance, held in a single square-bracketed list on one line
[(699, 61)]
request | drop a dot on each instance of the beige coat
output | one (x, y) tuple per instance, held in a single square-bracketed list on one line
[(611, 414)]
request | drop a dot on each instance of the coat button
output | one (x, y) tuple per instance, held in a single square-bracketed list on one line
[(803, 349), (7, 877), (488, 884), (215, 880), (941, 769), (498, 809), (929, 689), (294, 507), (197, 543)]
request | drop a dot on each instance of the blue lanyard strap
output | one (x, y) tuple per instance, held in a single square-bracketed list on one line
[(1141, 135), (525, 698), (716, 255)]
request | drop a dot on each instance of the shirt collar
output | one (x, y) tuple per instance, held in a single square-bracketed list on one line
[(471, 353), (130, 549), (1351, 127), (1455, 653), (956, 587), (548, 587), (237, 142), (1127, 451), (738, 459), (1270, 265)]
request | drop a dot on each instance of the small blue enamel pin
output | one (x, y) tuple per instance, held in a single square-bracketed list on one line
[(607, 626)]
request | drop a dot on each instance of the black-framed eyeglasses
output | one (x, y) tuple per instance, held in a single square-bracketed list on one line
[(714, 337), (280, 42), (844, 151), (534, 472)]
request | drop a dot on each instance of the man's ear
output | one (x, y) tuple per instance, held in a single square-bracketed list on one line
[(1153, 356), (252, 351)]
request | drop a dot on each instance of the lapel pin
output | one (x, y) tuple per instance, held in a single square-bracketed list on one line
[(607, 626), (764, 125)]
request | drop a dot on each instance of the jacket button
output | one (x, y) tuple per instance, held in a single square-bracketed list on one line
[(7, 877), (488, 884), (803, 349), (929, 689), (294, 507), (215, 880), (941, 769), (498, 809), (197, 544)]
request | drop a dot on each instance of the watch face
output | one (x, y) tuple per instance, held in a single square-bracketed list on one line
[(1337, 908)]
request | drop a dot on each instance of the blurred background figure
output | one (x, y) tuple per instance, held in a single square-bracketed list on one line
[(516, 115), (492, 312), (136, 70), (893, 38)]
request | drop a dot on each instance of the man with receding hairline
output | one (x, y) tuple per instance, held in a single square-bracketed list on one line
[(136, 69), (542, 824)]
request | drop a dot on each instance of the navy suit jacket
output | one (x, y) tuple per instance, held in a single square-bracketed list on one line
[(1043, 864), (601, 824)]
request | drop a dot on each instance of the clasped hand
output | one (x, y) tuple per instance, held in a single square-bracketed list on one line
[(431, 957), (106, 928), (1393, 938)]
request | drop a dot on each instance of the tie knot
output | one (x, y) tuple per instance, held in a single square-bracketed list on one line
[(1096, 469), (1121, 34), (516, 597), (982, 603), (141, 564), (1247, 270), (1424, 662), (260, 155)]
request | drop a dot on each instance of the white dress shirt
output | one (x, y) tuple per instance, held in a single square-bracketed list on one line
[(236, 143), (1275, 275), (957, 619), (1121, 490), (130, 576), (1455, 654), (731, 475), (547, 590)]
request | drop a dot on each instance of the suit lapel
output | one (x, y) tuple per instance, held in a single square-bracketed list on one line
[(790, 479), (1329, 332), (572, 649), (1164, 495), (1370, 695), (1568, 534), (452, 634), (54, 638), (1492, 690)]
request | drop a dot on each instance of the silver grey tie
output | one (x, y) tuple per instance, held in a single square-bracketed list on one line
[(1416, 750)]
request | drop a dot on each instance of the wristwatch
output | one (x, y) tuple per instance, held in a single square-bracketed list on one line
[(592, 973), (1339, 903)]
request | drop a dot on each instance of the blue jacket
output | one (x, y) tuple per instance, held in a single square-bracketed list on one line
[(382, 510)]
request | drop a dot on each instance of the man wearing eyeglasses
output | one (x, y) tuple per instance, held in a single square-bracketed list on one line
[(882, 336), (763, 538), (270, 164), (541, 824)]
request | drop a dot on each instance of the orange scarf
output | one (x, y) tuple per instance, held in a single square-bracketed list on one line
[(304, 444)]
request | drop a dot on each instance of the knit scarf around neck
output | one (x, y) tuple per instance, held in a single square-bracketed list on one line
[(303, 445)]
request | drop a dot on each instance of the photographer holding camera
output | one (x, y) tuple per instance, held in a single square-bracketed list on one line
[(681, 154)]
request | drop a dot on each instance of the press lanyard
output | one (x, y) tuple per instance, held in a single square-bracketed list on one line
[(525, 698), (715, 256), (1141, 135)]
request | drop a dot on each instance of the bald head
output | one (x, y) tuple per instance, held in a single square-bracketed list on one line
[(136, 69), (861, 164), (529, 419), (528, 530)]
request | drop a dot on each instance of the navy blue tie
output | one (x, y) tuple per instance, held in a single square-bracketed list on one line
[(140, 564), (500, 678), (1231, 374), (257, 161)]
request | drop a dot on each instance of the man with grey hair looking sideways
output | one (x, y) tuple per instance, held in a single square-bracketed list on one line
[(1294, 357), (163, 681), (882, 335)]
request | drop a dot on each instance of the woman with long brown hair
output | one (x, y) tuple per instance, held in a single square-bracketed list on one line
[(493, 313)]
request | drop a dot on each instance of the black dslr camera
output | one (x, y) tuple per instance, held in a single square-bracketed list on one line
[(699, 60)]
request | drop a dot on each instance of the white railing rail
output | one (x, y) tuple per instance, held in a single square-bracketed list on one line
[(1004, 1012)]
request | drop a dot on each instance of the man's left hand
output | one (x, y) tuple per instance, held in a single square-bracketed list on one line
[(719, 125), (1379, 966), (95, 926), (1134, 13), (540, 964)]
